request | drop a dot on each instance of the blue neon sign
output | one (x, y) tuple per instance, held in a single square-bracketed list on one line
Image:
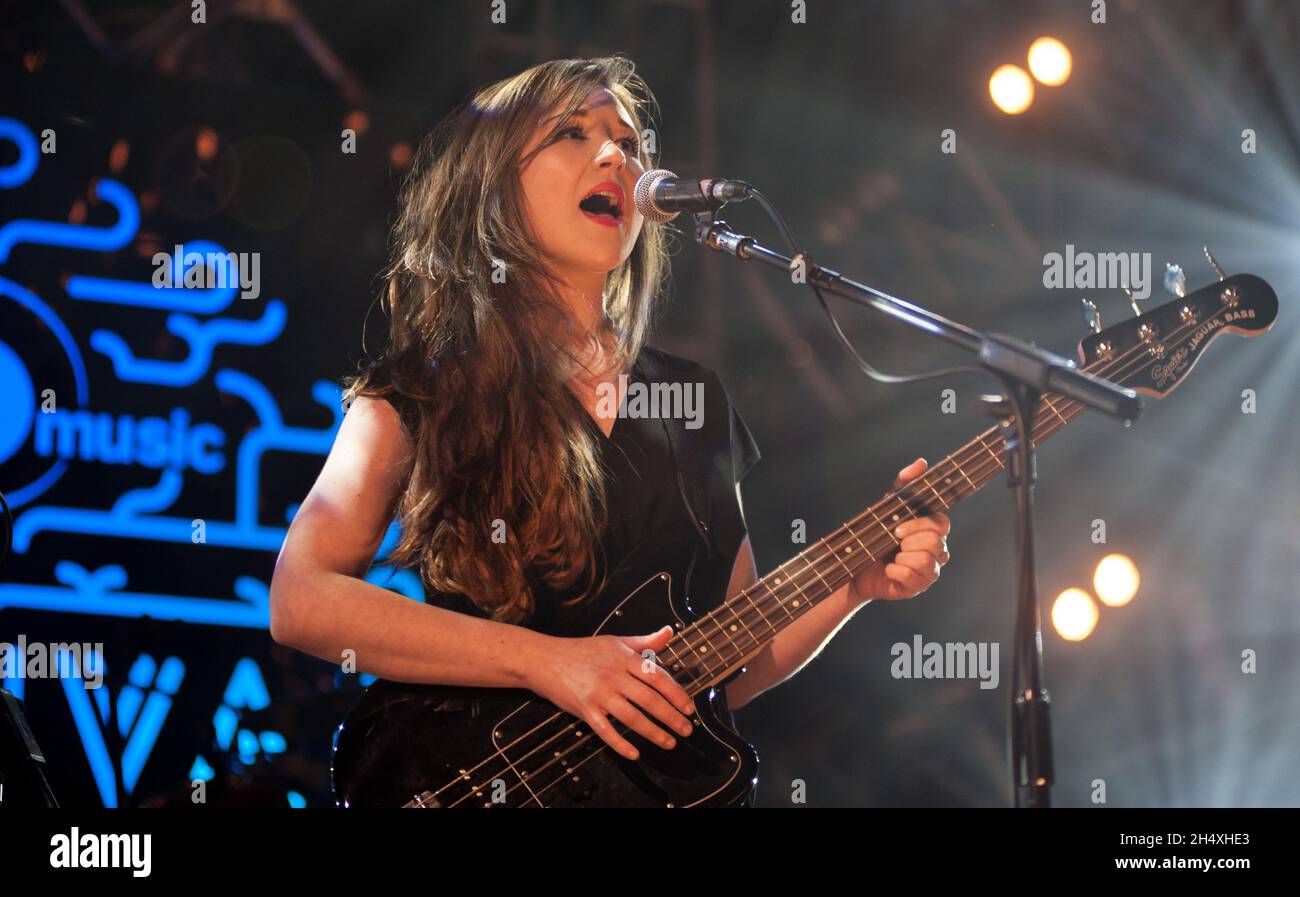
[(40, 445)]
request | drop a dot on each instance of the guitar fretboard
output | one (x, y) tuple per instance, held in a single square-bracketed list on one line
[(711, 649)]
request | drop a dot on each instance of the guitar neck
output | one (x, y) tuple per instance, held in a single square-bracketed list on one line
[(1170, 337), (714, 647)]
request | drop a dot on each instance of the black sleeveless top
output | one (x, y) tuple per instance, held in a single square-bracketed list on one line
[(671, 499), (670, 493)]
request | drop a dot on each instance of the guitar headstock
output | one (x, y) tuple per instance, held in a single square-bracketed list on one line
[(1153, 352)]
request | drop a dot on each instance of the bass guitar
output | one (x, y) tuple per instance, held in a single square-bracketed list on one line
[(425, 746)]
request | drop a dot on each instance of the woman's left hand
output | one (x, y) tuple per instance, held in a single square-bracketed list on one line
[(922, 552)]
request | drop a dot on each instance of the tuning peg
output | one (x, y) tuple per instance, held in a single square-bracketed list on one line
[(1091, 317), (1213, 263), (1175, 280), (1132, 300)]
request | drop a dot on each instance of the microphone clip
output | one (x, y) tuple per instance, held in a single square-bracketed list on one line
[(714, 233)]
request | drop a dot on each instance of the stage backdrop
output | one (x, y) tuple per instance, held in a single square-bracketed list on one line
[(154, 441)]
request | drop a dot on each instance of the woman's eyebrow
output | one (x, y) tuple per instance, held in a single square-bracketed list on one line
[(582, 113)]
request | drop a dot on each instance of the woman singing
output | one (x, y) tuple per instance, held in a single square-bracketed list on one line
[(521, 295)]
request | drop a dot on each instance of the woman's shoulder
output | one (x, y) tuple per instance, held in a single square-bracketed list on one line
[(380, 383), (661, 365), (729, 427)]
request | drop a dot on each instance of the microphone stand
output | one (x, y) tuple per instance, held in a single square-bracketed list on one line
[(1027, 372)]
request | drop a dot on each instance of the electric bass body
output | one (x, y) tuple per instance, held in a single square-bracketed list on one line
[(437, 746)]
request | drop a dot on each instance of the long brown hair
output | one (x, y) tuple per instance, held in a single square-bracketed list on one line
[(500, 448)]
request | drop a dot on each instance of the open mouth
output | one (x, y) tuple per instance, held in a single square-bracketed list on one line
[(605, 202)]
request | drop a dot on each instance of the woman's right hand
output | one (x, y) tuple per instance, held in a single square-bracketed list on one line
[(605, 675)]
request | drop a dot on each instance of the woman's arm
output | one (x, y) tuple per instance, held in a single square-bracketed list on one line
[(922, 552), (321, 605), (793, 647)]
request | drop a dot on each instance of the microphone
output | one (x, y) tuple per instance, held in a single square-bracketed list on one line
[(661, 196)]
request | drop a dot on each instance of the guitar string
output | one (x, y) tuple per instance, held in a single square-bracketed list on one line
[(837, 546), (1049, 425), (819, 564)]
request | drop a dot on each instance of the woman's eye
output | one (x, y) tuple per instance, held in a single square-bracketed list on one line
[(631, 145)]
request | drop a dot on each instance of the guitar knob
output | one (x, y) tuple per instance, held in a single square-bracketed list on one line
[(1213, 264), (1091, 317), (1175, 280)]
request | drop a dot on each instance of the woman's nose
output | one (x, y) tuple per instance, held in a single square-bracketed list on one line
[(611, 153)]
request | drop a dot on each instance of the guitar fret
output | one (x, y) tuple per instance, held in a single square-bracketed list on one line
[(836, 555), (669, 649), (698, 655), (762, 616), (803, 595), (854, 534), (818, 572), (882, 525), (962, 471), (1048, 403), (679, 661), (946, 506), (727, 636), (779, 600), (949, 484)]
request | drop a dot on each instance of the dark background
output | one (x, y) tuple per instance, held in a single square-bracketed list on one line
[(839, 122)]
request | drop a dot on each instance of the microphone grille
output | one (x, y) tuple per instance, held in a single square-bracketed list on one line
[(643, 196)]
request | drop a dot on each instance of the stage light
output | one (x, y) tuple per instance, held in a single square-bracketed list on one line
[(205, 144), (400, 154), (119, 155), (1116, 580), (1050, 61), (357, 120), (1074, 614), (1011, 89)]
